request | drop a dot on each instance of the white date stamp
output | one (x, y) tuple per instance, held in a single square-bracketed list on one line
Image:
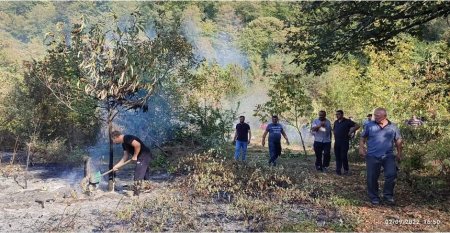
[(413, 221)]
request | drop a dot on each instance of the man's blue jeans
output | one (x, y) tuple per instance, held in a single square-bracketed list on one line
[(274, 150), (374, 165), (237, 151)]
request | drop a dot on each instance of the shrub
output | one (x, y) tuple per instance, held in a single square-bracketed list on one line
[(54, 151)]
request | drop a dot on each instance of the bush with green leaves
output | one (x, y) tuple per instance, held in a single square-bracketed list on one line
[(427, 149), (208, 126)]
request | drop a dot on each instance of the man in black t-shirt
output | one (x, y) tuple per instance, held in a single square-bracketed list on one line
[(242, 138), (343, 130), (141, 154)]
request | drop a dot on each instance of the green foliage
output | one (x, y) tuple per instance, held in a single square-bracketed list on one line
[(328, 30), (212, 173), (209, 126), (212, 84), (75, 156), (115, 61), (394, 78), (54, 151), (160, 161), (260, 39), (427, 149), (256, 193), (262, 35), (206, 121), (305, 225), (341, 201), (288, 100)]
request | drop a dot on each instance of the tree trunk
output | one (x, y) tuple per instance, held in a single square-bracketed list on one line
[(28, 162), (15, 150), (303, 143)]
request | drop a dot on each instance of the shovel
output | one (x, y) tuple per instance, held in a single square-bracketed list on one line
[(95, 178)]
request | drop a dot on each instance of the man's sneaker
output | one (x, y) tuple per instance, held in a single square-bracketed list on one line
[(324, 169), (375, 202), (319, 169), (346, 173)]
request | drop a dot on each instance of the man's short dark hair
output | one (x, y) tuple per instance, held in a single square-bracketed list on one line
[(369, 115), (115, 134), (241, 116), (275, 116), (340, 111)]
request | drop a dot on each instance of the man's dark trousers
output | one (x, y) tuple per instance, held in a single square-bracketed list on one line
[(373, 172), (322, 149), (341, 152), (274, 150)]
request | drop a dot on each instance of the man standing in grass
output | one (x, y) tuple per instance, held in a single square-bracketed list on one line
[(321, 129), (241, 139), (275, 131), (343, 130), (381, 135)]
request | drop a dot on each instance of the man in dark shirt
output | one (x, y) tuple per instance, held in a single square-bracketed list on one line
[(242, 138), (275, 131), (343, 130), (141, 154)]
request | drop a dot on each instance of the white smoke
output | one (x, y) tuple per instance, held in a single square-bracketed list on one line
[(220, 48)]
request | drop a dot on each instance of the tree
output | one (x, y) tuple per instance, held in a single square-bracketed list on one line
[(411, 79), (326, 31), (114, 62), (207, 89), (289, 101)]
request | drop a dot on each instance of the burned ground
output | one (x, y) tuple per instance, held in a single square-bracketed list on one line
[(215, 195)]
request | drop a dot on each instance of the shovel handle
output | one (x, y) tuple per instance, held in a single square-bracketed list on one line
[(125, 163)]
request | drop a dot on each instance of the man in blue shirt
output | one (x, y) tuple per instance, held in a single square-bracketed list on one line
[(343, 130), (242, 138), (275, 131), (368, 119), (321, 129), (381, 135)]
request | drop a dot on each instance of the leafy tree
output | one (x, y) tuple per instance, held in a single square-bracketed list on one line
[(212, 83), (202, 103), (407, 80), (260, 39), (262, 35), (289, 101), (114, 62), (328, 30)]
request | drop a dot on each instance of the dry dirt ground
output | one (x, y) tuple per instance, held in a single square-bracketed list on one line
[(416, 209), (53, 201)]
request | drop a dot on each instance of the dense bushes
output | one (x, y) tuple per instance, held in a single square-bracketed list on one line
[(427, 149)]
